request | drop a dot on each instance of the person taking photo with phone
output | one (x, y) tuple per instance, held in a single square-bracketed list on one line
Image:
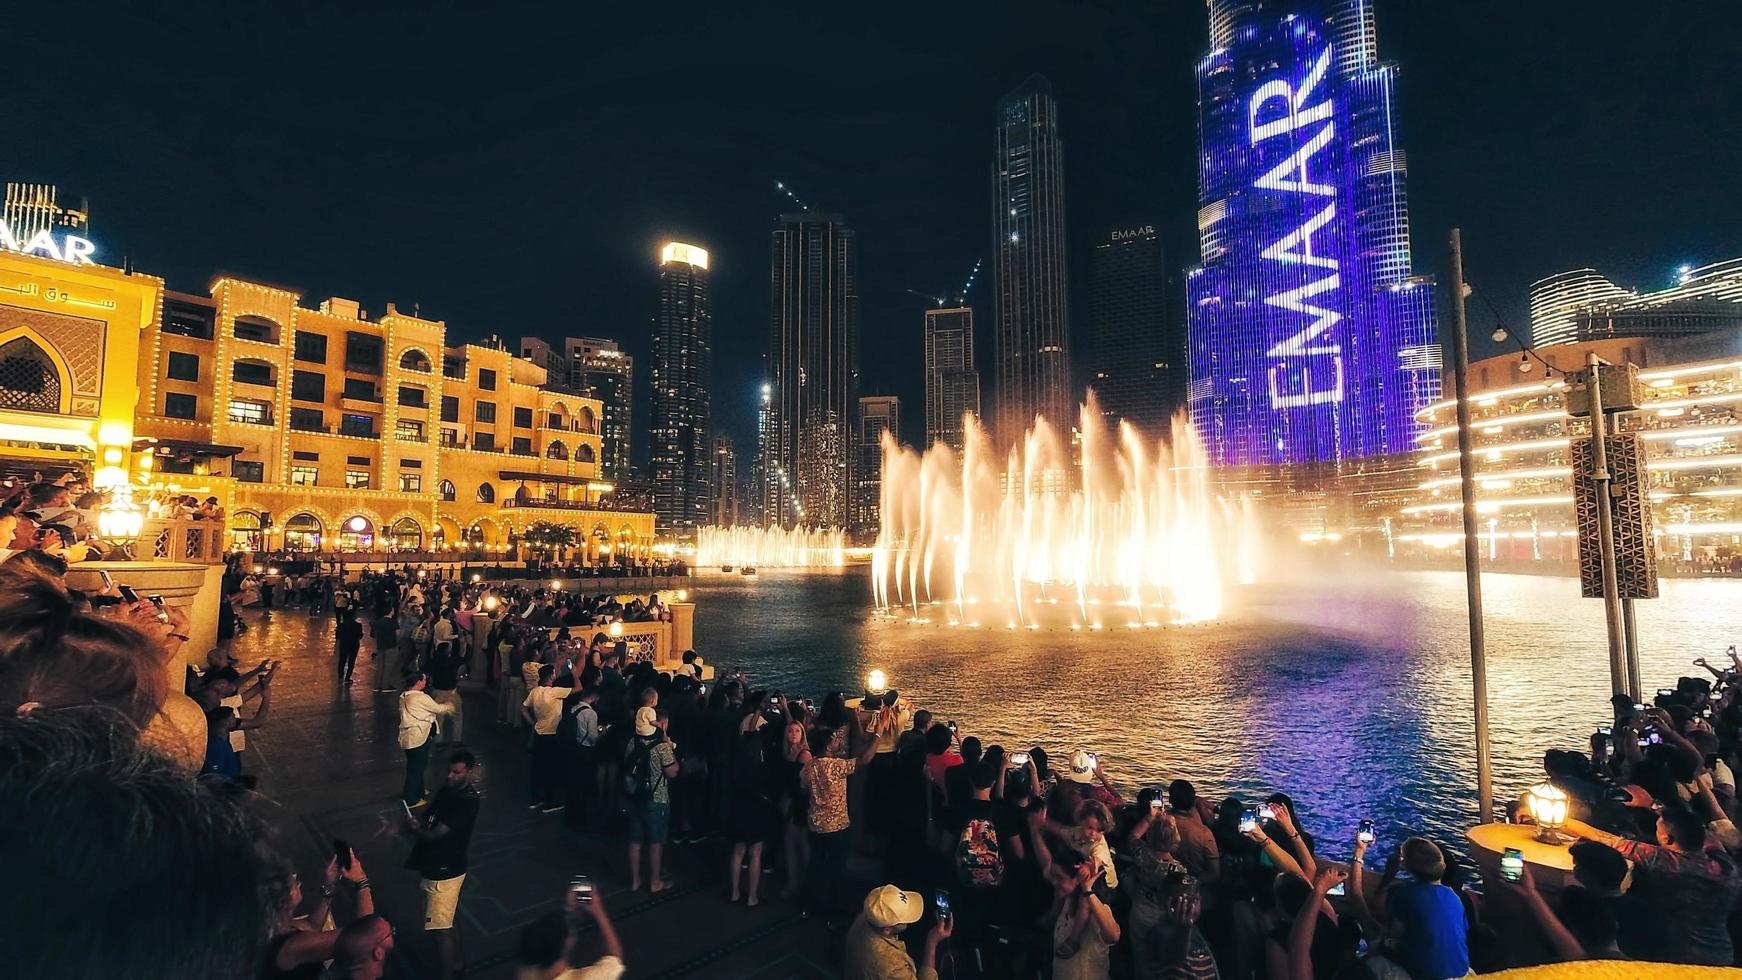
[(546, 948), (443, 833), (875, 950)]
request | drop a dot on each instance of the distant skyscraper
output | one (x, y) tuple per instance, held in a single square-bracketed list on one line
[(1311, 339), (31, 208), (724, 479), (1135, 367), (952, 386), (681, 452), (1582, 305), (765, 492), (813, 368), (877, 414), (599, 366), (1033, 351)]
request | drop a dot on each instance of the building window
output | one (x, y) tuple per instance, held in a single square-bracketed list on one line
[(178, 406), (308, 420), (412, 397), (411, 464), (484, 441), (303, 476), (250, 411), (251, 373), (183, 367), (362, 352), (450, 408), (408, 430), (450, 437), (188, 321), (486, 493), (256, 328), (556, 450), (308, 386), (311, 347), (414, 360), (357, 479), (411, 483), (454, 367), (446, 488), (486, 379), (248, 471), (361, 389), (485, 412), (298, 454), (556, 421), (523, 418), (357, 425), (522, 446)]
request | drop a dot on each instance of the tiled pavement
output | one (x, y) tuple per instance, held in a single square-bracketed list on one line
[(329, 761)]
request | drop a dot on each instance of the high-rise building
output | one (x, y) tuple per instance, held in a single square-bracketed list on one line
[(724, 478), (765, 488), (813, 368), (31, 208), (604, 370), (1582, 305), (877, 414), (1135, 366), (952, 385), (1033, 346), (681, 452), (1311, 339)]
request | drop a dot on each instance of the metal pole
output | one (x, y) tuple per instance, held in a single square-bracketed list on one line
[(1472, 544), (1605, 527), (1631, 629)]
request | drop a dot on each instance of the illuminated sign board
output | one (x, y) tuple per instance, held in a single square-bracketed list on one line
[(1309, 337), (1125, 234), (68, 248)]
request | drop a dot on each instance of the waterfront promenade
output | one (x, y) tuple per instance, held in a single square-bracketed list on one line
[(329, 761)]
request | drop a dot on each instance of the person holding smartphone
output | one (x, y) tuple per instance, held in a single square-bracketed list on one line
[(875, 950), (443, 834)]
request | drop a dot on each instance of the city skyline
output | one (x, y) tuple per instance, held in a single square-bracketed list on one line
[(1485, 163), (680, 457)]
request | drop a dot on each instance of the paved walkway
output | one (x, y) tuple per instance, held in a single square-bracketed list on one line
[(329, 759)]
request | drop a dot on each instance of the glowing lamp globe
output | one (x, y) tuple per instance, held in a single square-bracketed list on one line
[(477, 578), (683, 595), (120, 520), (615, 629), (876, 682), (1548, 807), (489, 603), (356, 524)]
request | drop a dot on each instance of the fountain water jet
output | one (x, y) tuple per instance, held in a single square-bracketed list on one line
[(1126, 525), (769, 547)]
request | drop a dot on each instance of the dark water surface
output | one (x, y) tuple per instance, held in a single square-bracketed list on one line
[(1350, 692)]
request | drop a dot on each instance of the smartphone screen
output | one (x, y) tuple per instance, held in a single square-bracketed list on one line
[(1266, 812), (1512, 864), (1341, 889), (108, 582), (1365, 834), (1248, 821)]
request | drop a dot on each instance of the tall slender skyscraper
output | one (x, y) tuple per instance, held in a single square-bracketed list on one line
[(1311, 340), (606, 370), (1033, 349), (952, 385), (31, 208), (725, 482), (681, 455), (813, 368), (877, 414), (1133, 359)]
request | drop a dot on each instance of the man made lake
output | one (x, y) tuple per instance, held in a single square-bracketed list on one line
[(1349, 691)]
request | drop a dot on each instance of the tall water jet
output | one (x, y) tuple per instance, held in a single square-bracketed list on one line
[(1122, 534), (769, 547)]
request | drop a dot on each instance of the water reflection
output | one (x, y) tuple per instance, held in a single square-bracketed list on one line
[(1351, 692)]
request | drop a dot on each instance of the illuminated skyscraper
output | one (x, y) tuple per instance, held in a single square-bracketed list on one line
[(1582, 305), (602, 369), (952, 386), (877, 414), (1310, 337), (1133, 361), (813, 368), (681, 452), (31, 208), (1032, 352), (724, 479)]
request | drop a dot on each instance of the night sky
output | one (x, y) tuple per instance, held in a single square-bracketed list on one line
[(514, 174)]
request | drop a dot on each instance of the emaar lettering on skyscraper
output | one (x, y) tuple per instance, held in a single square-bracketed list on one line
[(1311, 339)]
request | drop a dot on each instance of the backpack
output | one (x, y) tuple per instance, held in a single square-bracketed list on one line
[(979, 861), (570, 723), (640, 775)]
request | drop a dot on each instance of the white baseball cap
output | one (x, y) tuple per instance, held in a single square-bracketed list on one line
[(1082, 768), (890, 906)]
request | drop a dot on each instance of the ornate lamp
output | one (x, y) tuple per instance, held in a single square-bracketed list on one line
[(876, 682), (1548, 807), (615, 630), (120, 520)]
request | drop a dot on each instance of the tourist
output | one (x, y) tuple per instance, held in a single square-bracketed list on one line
[(546, 948), (1086, 779), (752, 818), (221, 760), (1421, 921), (542, 710), (418, 713), (649, 763), (941, 754), (443, 832), (1084, 929), (875, 950), (444, 687), (986, 839), (914, 739), (1197, 849), (348, 636), (300, 941), (794, 806), (959, 779), (578, 734), (1151, 845), (361, 951), (825, 782), (385, 629)]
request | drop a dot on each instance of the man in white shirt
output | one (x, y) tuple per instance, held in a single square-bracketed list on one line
[(546, 946), (417, 717), (543, 710)]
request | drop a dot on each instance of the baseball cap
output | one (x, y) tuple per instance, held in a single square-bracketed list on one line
[(890, 906), (644, 719), (1082, 768)]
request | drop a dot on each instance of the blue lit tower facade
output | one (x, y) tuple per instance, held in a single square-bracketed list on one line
[(1310, 338)]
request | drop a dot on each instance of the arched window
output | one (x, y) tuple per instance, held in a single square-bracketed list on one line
[(447, 489), (29, 381), (414, 360), (302, 533), (259, 328), (486, 493), (405, 534), (557, 450), (588, 422), (584, 454)]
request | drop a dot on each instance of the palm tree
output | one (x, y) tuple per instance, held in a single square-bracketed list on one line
[(546, 536)]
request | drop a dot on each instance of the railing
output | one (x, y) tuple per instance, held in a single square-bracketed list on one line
[(628, 507), (178, 539)]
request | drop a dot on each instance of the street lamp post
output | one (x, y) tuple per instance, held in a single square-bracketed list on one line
[(1472, 554)]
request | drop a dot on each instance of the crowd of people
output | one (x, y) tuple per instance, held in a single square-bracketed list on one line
[(928, 850)]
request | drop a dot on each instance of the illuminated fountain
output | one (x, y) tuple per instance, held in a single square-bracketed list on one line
[(1132, 536), (769, 547)]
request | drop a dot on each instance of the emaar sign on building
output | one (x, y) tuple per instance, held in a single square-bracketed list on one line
[(66, 248)]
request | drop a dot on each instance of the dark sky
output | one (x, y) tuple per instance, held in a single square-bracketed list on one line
[(514, 172)]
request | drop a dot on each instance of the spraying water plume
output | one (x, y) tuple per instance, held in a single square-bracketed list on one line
[(769, 547), (1126, 535)]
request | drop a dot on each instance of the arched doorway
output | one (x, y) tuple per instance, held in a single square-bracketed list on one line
[(405, 534), (302, 533), (357, 534), (246, 532)]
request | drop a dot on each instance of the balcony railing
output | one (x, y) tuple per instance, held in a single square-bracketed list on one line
[(624, 507), (167, 539)]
